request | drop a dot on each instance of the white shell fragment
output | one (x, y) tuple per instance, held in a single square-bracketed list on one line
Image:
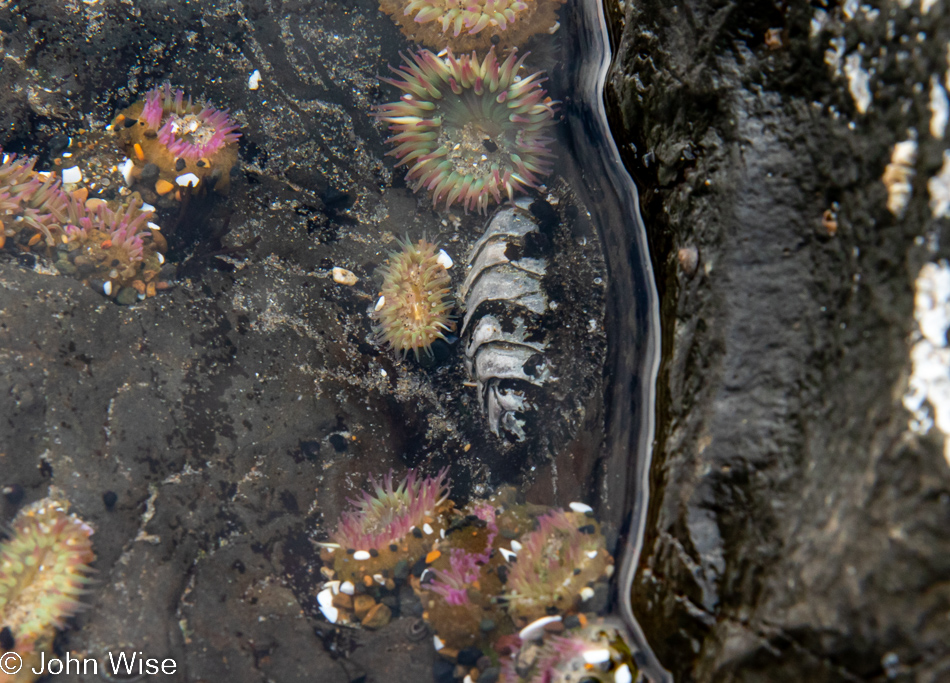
[(125, 168), (380, 303), (107, 288), (599, 656), (437, 643), (344, 277), (72, 175), (325, 601), (623, 675), (254, 82), (516, 546), (507, 554), (535, 629), (445, 260), (347, 588), (148, 207), (587, 593), (581, 508), (187, 179), (427, 528), (361, 555)]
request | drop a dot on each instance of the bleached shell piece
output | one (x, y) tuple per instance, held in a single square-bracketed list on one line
[(187, 179), (488, 329), (535, 629), (502, 406), (504, 283), (72, 174), (507, 362)]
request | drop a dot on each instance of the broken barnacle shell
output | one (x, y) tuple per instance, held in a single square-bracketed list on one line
[(504, 300)]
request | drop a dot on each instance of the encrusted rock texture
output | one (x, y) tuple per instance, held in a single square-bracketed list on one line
[(799, 530)]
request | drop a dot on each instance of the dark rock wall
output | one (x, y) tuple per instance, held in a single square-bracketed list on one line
[(798, 529)]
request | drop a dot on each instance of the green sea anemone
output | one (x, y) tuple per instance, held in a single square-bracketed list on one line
[(470, 131), (414, 305), (44, 569)]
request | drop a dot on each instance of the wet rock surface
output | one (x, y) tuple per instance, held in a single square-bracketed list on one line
[(798, 528)]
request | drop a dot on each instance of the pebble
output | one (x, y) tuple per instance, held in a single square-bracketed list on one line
[(377, 617), (362, 604), (343, 601), (127, 296), (490, 675), (344, 277)]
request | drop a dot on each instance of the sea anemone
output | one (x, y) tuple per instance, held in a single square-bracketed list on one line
[(595, 653), (414, 304), (393, 523), (189, 132), (111, 245), (471, 132), (391, 512), (171, 142), (558, 562), (465, 566), (471, 24), (44, 569)]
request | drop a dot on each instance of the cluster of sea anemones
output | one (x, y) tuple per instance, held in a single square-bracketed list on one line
[(490, 577), (173, 143), (414, 305), (114, 246), (44, 569), (472, 24), (470, 131)]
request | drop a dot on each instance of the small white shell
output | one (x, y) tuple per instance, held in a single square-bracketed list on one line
[(428, 529), (507, 554), (347, 587), (187, 179), (535, 629), (587, 593), (325, 601), (437, 642), (147, 207), (107, 288), (623, 675), (591, 554), (125, 168), (516, 546), (597, 656), (380, 303), (344, 277), (581, 508), (254, 82), (445, 260), (361, 555), (72, 175)]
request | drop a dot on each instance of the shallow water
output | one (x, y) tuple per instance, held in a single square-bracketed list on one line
[(280, 400)]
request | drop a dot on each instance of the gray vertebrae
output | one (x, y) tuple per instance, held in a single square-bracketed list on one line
[(502, 355)]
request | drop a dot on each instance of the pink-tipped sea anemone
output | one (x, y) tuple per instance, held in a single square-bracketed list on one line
[(558, 564), (172, 143), (396, 522), (44, 569), (111, 245), (415, 304), (470, 131), (472, 24), (597, 653), (187, 131)]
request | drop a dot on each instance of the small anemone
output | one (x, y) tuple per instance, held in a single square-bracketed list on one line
[(187, 131), (391, 511)]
